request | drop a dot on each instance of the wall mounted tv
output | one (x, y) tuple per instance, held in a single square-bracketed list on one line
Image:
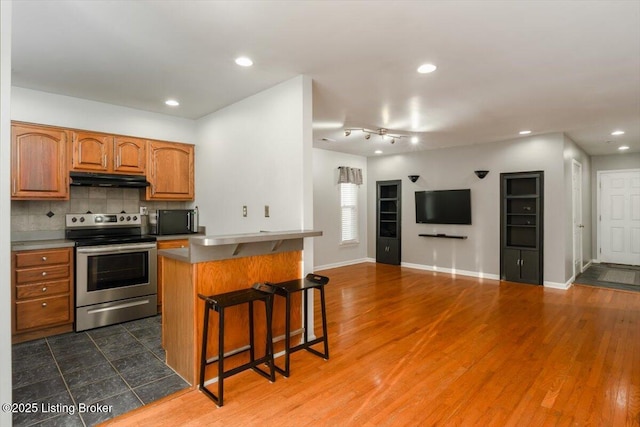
[(443, 207)]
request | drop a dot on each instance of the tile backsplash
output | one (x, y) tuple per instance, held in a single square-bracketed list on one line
[(35, 216)]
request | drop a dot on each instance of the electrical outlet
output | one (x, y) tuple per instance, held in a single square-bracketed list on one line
[(244, 211), (266, 211), (143, 210)]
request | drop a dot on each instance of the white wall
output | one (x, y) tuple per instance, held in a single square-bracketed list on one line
[(50, 109), (326, 206), (5, 209), (253, 153), (453, 169)]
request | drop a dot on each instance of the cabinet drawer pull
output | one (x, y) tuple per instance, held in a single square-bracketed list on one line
[(44, 258), (44, 289), (44, 304), (44, 273)]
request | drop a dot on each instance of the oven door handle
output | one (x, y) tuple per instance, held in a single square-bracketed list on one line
[(116, 248)]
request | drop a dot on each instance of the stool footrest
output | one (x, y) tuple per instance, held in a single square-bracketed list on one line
[(248, 365), (306, 346), (229, 354)]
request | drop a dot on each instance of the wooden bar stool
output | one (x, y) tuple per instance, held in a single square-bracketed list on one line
[(219, 303), (285, 289)]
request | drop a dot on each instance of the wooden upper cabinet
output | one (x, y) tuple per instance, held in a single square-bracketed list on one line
[(170, 170), (91, 152), (129, 155), (38, 162), (95, 152)]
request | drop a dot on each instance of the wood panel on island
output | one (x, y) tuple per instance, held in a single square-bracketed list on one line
[(42, 293), (218, 264), (167, 244)]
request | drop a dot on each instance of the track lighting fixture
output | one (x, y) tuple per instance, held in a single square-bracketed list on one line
[(380, 131)]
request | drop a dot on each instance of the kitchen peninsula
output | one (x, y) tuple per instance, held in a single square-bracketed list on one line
[(217, 264)]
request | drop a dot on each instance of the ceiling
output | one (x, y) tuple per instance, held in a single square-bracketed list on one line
[(503, 66)]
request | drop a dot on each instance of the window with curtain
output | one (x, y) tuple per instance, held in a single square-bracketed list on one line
[(349, 206)]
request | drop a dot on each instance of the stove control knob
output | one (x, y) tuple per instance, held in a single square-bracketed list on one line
[(128, 218), (81, 219), (121, 218), (135, 218), (74, 219)]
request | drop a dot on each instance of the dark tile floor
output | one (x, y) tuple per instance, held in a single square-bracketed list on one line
[(82, 379), (592, 276)]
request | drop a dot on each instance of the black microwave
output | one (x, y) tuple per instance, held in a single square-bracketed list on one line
[(173, 221)]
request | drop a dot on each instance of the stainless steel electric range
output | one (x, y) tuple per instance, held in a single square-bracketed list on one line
[(115, 269)]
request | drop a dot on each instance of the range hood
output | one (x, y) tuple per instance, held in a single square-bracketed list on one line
[(108, 180)]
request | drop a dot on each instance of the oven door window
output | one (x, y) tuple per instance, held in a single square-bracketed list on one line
[(117, 270)]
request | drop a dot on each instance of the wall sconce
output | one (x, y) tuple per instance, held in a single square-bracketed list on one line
[(481, 174), (414, 178)]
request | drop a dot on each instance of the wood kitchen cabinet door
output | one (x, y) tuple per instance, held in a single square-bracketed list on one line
[(170, 170), (130, 155), (38, 162), (91, 152), (96, 152)]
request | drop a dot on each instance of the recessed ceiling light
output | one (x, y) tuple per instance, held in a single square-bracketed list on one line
[(623, 147), (426, 68), (525, 132), (414, 139), (243, 61), (617, 132), (172, 102), (378, 151)]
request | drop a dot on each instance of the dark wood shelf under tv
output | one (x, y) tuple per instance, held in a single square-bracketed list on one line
[(443, 236)]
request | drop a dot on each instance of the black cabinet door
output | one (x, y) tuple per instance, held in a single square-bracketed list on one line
[(530, 266), (388, 251), (511, 265)]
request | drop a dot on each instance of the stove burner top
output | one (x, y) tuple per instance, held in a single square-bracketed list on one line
[(112, 240), (105, 229)]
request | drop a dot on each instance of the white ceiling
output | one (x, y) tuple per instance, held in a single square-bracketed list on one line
[(503, 66)]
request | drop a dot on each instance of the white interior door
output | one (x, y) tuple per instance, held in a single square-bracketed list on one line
[(578, 226), (619, 216)]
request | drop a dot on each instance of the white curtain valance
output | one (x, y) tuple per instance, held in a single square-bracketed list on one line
[(349, 175)]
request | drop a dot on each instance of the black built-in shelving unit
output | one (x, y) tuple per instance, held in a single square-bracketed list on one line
[(521, 227), (388, 221)]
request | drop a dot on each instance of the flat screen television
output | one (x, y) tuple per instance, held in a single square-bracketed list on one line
[(443, 207)]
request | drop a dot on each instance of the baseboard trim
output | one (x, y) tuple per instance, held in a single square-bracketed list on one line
[(558, 285), (341, 264), (453, 271)]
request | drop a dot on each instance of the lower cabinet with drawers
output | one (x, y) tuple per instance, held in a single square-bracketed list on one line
[(42, 293)]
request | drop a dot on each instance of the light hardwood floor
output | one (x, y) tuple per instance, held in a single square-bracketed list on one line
[(411, 347)]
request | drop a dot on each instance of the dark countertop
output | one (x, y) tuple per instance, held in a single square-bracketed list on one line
[(27, 245)]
